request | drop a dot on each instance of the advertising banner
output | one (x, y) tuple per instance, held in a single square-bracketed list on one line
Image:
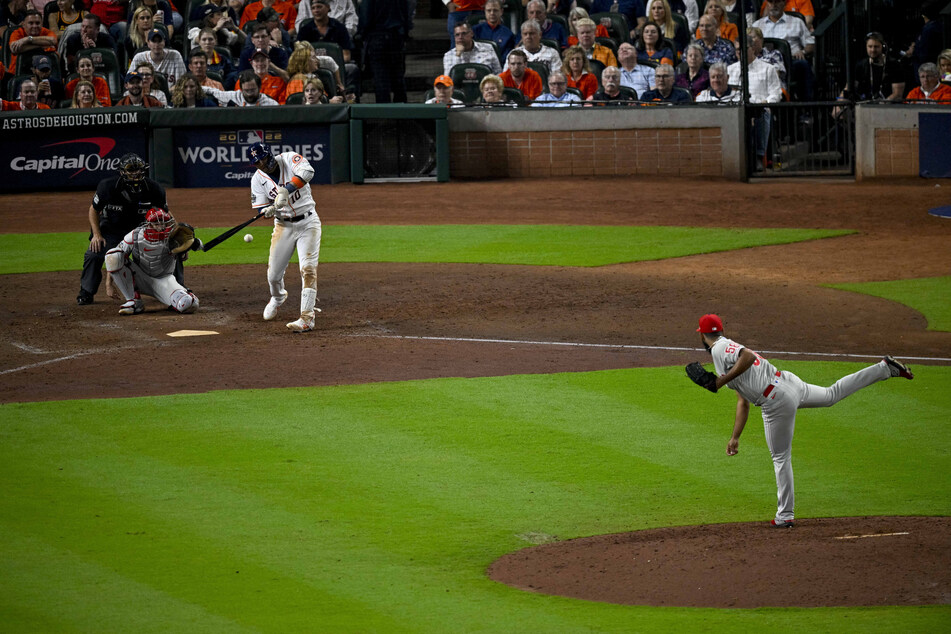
[(219, 157), (66, 150)]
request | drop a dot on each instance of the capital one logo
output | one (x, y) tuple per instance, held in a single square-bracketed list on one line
[(93, 160)]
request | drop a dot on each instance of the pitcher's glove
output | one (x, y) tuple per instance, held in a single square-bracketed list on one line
[(706, 380), (182, 238)]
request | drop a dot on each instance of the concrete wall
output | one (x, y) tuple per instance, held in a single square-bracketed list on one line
[(536, 142), (886, 139)]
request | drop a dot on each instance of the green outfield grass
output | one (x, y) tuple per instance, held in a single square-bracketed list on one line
[(931, 296), (557, 245), (377, 508)]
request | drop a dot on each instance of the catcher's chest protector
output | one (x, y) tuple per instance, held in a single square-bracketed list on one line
[(154, 258)]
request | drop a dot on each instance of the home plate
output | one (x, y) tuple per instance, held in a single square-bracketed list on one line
[(191, 333)]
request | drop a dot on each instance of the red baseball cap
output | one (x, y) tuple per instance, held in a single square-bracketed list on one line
[(710, 323)]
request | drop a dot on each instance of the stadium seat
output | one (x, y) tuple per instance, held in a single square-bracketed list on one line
[(328, 80), (456, 94), (495, 47), (295, 99), (616, 25), (542, 69), (514, 94), (466, 77)]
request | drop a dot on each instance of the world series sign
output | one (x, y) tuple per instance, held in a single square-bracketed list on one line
[(219, 157)]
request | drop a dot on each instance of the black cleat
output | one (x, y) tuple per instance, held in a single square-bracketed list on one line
[(84, 298)]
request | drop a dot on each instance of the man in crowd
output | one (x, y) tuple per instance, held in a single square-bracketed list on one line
[(876, 77), (342, 11), (88, 36), (666, 91), (164, 60), (468, 51), (776, 23), (715, 48), (459, 12), (287, 13), (557, 95), (493, 29), (534, 50), (384, 27), (519, 75), (551, 30), (442, 93), (50, 90), (28, 95), (31, 37), (638, 77), (198, 67), (586, 29), (611, 90), (249, 95), (261, 39), (720, 90), (272, 86), (930, 89), (136, 94)]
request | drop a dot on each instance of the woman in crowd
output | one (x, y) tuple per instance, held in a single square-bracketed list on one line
[(691, 75), (658, 12), (727, 30), (67, 13), (580, 14), (161, 13), (493, 91), (314, 94), (944, 65), (186, 93), (138, 34), (85, 96), (303, 65), (217, 63), (647, 46), (87, 74), (578, 71)]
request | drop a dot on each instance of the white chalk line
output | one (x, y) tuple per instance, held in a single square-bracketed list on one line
[(628, 346), (871, 535), (47, 362)]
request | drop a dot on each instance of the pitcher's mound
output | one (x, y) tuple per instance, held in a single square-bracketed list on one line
[(843, 561)]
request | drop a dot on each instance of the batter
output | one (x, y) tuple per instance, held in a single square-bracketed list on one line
[(281, 189), (780, 395), (152, 266)]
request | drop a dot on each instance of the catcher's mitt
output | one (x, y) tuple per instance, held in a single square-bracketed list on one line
[(182, 238), (706, 380)]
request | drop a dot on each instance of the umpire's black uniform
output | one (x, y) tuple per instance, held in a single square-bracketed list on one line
[(121, 209)]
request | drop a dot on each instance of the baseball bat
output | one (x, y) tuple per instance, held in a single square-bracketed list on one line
[(211, 244)]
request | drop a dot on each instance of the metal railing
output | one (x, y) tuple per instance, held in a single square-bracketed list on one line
[(801, 139)]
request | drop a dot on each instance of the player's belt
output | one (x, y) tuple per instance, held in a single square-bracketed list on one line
[(296, 218), (773, 384)]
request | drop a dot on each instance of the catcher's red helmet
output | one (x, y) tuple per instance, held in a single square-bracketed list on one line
[(159, 223)]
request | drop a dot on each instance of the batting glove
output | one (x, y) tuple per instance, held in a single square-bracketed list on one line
[(280, 201), (269, 211)]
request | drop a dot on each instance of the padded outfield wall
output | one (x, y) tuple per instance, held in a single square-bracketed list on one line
[(69, 149)]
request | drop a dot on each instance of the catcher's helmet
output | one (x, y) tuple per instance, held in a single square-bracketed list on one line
[(158, 224), (260, 152), (132, 170)]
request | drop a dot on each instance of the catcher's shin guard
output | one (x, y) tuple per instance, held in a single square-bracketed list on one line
[(184, 301), (121, 273)]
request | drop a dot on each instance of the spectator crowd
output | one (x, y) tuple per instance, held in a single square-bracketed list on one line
[(219, 53)]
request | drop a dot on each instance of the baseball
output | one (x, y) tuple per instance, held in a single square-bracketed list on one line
[(248, 237)]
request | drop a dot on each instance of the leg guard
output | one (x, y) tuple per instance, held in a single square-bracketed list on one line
[(308, 301), (184, 301), (121, 274)]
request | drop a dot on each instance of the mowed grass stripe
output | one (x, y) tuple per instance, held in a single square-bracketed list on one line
[(548, 245), (379, 506)]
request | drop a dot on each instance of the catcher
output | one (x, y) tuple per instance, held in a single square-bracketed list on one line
[(154, 247), (779, 394)]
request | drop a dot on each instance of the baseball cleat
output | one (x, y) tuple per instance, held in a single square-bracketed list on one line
[(132, 307), (270, 311), (84, 298), (782, 523), (300, 326), (897, 368)]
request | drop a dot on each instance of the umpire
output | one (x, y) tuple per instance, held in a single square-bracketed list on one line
[(118, 207)]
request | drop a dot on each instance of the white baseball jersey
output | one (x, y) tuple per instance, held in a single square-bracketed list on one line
[(264, 188), (752, 383)]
